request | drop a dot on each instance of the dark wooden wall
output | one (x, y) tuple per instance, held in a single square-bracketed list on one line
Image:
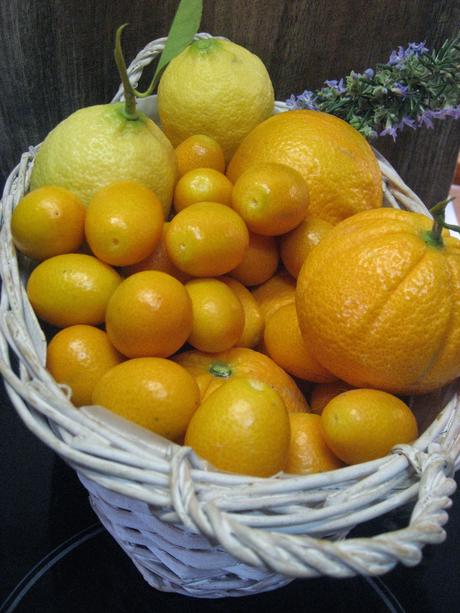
[(57, 56)]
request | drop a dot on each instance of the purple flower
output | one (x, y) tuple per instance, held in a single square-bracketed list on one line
[(398, 57), (407, 121), (425, 119), (390, 130), (306, 100), (369, 73), (400, 89), (337, 85)]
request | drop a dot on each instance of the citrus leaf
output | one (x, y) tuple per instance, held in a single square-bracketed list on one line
[(185, 25)]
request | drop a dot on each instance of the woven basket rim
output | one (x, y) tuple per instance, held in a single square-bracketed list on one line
[(179, 485)]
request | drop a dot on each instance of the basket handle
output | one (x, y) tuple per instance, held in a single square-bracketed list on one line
[(305, 556)]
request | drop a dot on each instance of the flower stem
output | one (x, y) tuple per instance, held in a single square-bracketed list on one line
[(434, 236)]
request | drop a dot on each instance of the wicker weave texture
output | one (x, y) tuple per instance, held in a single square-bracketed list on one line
[(191, 529)]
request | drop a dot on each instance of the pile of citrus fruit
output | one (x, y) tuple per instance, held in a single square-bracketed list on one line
[(244, 293)]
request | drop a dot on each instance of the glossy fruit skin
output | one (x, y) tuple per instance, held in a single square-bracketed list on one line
[(157, 260), (123, 223), (337, 163), (271, 198), (364, 424), (207, 239), (381, 305), (274, 293), (199, 151), (322, 393), (218, 316), (150, 315), (284, 343), (98, 145), (308, 452), (70, 289), (48, 221), (79, 356), (243, 362), (253, 321), (214, 87), (297, 244), (259, 262), (202, 185), (242, 427), (154, 393)]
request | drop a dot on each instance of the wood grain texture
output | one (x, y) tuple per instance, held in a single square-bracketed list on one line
[(57, 56)]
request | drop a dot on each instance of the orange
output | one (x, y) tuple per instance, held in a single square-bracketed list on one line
[(271, 198), (199, 151), (154, 393), (380, 301), (243, 362), (207, 239), (158, 260), (284, 343), (79, 356), (150, 314), (297, 244), (336, 161), (308, 452), (202, 185), (242, 427), (72, 288), (218, 317), (276, 292), (322, 393), (253, 321), (259, 262), (123, 223), (364, 424), (48, 221)]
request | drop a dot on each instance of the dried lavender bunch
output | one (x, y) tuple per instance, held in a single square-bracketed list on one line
[(414, 87)]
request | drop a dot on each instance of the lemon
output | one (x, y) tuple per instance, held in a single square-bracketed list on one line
[(98, 145), (217, 88)]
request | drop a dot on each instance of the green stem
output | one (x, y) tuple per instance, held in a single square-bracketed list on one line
[(435, 234), (129, 91), (219, 369)]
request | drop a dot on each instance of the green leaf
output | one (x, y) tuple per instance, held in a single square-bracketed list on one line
[(185, 25)]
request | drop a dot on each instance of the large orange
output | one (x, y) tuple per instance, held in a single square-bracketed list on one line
[(242, 362), (340, 169), (379, 298)]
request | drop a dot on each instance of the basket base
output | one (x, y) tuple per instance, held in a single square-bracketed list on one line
[(169, 558)]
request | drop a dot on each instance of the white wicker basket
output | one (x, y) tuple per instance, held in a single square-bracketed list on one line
[(193, 530)]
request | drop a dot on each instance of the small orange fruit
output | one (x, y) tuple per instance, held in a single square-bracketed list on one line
[(79, 356), (364, 424), (72, 288), (207, 239), (48, 221), (274, 293), (123, 223), (297, 244), (150, 314), (154, 393), (218, 317), (253, 321), (199, 151), (308, 452), (158, 260), (322, 393), (242, 427), (243, 362), (284, 343), (271, 198), (202, 185), (259, 262)]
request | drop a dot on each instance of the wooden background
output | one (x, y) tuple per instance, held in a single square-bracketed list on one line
[(57, 56)]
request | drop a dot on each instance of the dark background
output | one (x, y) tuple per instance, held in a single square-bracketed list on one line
[(57, 56)]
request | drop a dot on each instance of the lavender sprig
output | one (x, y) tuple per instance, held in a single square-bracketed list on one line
[(412, 89)]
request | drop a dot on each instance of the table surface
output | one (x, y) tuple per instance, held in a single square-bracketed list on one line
[(55, 556)]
